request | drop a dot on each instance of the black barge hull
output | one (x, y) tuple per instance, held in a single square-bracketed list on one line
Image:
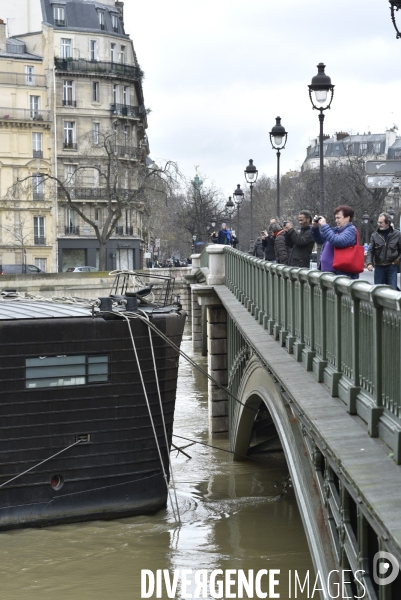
[(114, 469)]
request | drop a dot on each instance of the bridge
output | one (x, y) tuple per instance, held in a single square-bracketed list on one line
[(311, 362)]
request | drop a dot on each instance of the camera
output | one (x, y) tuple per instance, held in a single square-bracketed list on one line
[(316, 219), (285, 223)]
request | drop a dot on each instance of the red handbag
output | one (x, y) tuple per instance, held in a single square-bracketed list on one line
[(351, 259)]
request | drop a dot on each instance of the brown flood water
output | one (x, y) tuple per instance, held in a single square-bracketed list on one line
[(232, 518)]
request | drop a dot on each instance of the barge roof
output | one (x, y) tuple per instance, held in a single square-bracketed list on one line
[(20, 309)]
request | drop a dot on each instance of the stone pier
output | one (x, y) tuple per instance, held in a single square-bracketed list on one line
[(209, 333)]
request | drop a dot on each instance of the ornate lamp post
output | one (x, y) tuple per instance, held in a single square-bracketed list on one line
[(391, 212), (278, 140), (230, 206), (394, 6), (322, 86), (238, 197), (251, 175)]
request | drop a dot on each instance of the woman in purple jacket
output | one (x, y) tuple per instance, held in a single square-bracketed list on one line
[(342, 236)]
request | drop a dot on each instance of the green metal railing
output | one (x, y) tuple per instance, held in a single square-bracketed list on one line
[(347, 332)]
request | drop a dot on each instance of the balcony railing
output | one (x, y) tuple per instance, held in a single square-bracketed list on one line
[(70, 145), (59, 22), (38, 195), (39, 241), (69, 102), (94, 193), (121, 230), (127, 110), (128, 152), (71, 230), (22, 79), (97, 67), (24, 114), (37, 153)]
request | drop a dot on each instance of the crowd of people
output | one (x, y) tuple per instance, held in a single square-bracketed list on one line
[(340, 252)]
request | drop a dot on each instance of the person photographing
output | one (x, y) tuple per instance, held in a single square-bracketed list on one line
[(334, 239)]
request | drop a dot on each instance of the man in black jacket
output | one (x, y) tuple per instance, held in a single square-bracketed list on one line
[(384, 252), (300, 242), (268, 242)]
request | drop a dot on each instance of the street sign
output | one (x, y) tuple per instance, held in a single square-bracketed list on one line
[(157, 242), (147, 255), (380, 181), (386, 167)]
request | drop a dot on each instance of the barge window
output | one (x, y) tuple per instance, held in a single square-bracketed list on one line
[(60, 371)]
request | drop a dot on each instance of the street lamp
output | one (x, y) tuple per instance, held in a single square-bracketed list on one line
[(391, 212), (230, 206), (213, 222), (238, 198), (322, 86), (395, 5), (251, 176), (278, 140)]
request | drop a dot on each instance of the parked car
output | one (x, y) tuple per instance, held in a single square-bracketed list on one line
[(19, 269), (80, 269)]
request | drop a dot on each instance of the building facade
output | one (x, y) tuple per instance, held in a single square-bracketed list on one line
[(369, 146), (26, 221), (93, 92)]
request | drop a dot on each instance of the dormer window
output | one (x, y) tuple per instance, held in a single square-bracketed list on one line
[(59, 16), (101, 19), (114, 22)]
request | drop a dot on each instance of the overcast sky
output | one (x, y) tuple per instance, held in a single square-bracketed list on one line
[(218, 72)]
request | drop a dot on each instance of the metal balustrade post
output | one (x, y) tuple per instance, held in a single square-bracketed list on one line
[(299, 343), (308, 352), (319, 362), (292, 278), (332, 372), (272, 284)]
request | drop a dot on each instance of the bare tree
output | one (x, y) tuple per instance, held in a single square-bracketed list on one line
[(108, 174), (198, 206), (17, 230)]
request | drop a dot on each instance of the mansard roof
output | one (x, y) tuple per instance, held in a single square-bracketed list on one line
[(82, 15)]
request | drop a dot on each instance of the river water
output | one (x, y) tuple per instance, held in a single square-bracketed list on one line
[(234, 515)]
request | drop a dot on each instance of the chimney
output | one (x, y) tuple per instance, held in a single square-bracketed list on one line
[(2, 36), (341, 135), (390, 139), (120, 8)]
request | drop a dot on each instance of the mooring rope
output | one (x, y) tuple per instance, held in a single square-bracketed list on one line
[(189, 359), (176, 517), (41, 463), (162, 414)]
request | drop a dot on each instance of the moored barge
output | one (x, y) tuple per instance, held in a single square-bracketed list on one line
[(76, 437)]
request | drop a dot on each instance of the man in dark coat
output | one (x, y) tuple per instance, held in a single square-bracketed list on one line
[(384, 252), (268, 241), (300, 242)]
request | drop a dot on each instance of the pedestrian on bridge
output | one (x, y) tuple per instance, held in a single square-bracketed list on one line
[(280, 247), (344, 235), (224, 236), (268, 242), (384, 252), (300, 242)]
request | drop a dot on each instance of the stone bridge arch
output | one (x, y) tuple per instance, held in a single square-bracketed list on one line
[(258, 385)]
